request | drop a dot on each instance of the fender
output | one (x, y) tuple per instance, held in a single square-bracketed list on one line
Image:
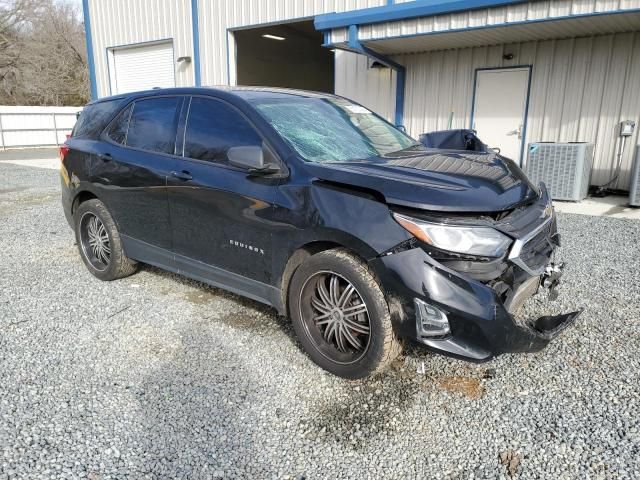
[(306, 214)]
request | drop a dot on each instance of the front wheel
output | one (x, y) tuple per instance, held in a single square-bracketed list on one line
[(340, 315), (99, 242)]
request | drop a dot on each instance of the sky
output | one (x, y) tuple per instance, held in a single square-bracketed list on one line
[(75, 3)]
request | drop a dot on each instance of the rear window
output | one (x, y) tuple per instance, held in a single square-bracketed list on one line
[(95, 117)]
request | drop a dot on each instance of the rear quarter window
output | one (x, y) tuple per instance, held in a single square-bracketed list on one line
[(117, 131), (94, 118)]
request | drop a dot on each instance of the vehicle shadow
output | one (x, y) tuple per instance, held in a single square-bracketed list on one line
[(204, 295), (212, 409), (193, 413)]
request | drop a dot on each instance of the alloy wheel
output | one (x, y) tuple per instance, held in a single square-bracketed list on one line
[(335, 317), (96, 245)]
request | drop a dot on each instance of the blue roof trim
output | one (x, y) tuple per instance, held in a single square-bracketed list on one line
[(326, 38), (195, 31), (89, 40), (372, 41), (402, 11)]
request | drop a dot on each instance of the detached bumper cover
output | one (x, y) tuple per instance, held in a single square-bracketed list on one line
[(481, 325), (550, 326)]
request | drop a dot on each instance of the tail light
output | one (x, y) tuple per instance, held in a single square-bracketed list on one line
[(64, 149)]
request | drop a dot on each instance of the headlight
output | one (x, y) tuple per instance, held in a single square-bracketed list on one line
[(481, 241)]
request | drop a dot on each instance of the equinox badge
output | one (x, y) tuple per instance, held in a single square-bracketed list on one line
[(248, 247)]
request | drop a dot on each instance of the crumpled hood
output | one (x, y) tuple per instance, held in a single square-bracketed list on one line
[(437, 180)]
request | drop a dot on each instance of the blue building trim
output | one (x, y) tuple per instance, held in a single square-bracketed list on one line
[(355, 46), (403, 11), (90, 60), (326, 38), (502, 25), (195, 32)]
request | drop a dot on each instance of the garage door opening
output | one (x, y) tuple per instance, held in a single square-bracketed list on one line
[(287, 55)]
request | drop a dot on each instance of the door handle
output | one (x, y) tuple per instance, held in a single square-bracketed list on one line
[(183, 175), (517, 131), (105, 157)]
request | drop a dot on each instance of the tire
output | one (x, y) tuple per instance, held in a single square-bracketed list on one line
[(332, 327), (108, 262)]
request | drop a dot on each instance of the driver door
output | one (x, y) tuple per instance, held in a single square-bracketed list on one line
[(220, 215)]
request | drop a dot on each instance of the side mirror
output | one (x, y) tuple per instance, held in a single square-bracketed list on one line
[(247, 157), (250, 158)]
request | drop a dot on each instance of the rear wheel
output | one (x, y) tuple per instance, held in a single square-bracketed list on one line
[(99, 242), (341, 316)]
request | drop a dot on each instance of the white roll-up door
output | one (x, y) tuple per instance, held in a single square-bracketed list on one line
[(142, 68)]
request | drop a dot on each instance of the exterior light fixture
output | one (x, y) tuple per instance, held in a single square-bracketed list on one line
[(273, 37), (431, 321), (184, 59)]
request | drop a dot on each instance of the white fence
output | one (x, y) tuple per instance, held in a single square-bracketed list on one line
[(35, 126)]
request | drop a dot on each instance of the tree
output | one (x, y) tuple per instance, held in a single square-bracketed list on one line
[(42, 54), (12, 18)]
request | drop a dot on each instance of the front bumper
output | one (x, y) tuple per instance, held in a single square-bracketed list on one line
[(481, 325)]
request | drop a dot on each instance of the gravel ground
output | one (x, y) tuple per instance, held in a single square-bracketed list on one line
[(155, 376)]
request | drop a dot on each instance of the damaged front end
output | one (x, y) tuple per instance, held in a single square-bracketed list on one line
[(549, 326), (471, 306)]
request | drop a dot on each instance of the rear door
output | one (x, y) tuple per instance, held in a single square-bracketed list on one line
[(130, 172), (220, 215)]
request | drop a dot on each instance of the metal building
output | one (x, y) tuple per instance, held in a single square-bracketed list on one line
[(517, 71)]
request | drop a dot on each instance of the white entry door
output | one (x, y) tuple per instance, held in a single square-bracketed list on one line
[(500, 109), (141, 67)]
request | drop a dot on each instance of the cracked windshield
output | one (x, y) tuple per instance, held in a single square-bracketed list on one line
[(332, 130)]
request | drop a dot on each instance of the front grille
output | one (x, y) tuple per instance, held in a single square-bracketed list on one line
[(536, 252)]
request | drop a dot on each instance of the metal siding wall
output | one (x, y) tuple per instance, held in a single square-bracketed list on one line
[(581, 89), (216, 16), (372, 87), (339, 35), (494, 16), (122, 22)]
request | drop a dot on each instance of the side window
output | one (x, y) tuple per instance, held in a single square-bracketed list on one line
[(94, 117), (118, 129), (213, 127), (153, 124)]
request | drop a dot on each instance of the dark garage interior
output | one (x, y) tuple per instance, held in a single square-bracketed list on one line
[(287, 55)]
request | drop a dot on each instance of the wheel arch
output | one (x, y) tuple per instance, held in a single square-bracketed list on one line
[(80, 198), (303, 252)]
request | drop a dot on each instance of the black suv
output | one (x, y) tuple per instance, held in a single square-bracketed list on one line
[(318, 207)]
